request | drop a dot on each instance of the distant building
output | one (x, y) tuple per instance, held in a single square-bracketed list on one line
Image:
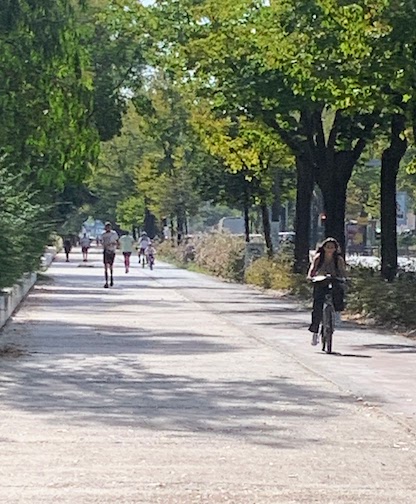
[(233, 225)]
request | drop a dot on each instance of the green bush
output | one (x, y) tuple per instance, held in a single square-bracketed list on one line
[(270, 274), (386, 302), (277, 274), (25, 226)]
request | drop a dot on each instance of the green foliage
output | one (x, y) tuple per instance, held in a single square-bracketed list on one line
[(386, 302), (47, 137), (45, 94), (130, 212), (116, 58), (364, 192), (25, 231), (277, 274), (269, 274), (406, 240), (166, 176), (113, 179)]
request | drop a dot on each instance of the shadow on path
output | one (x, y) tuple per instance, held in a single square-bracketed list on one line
[(99, 374)]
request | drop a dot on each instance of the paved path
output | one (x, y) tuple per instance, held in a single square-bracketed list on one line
[(173, 387)]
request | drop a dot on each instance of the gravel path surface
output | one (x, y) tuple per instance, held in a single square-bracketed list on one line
[(173, 387)]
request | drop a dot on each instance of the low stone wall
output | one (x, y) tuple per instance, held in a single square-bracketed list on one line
[(11, 298)]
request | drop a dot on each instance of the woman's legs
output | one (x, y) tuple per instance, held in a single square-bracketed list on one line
[(127, 261), (318, 304)]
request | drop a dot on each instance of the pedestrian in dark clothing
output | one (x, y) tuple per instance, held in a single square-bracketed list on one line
[(67, 248)]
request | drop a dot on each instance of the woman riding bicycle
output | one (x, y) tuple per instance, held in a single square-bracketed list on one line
[(327, 261)]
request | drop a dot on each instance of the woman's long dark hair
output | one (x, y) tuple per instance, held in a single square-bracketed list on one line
[(321, 251)]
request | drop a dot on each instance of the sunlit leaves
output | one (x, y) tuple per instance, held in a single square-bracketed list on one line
[(47, 138)]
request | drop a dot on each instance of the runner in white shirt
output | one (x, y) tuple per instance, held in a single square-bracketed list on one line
[(127, 247), (85, 243), (109, 239)]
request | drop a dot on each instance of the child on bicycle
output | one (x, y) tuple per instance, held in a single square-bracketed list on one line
[(150, 253), (327, 261), (144, 242)]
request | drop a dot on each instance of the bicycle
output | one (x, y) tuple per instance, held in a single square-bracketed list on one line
[(142, 257), (151, 261), (328, 312)]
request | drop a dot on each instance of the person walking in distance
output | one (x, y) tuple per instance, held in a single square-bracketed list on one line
[(85, 243), (126, 245), (109, 239), (67, 248)]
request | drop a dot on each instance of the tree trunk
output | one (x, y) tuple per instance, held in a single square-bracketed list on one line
[(304, 189), (149, 223), (247, 222), (334, 204), (390, 163), (267, 229), (334, 175), (180, 227), (172, 230), (334, 167), (275, 212)]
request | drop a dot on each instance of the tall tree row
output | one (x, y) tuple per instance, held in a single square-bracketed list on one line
[(47, 137), (327, 76), (198, 101)]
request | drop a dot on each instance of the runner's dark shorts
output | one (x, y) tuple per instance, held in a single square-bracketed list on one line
[(108, 257)]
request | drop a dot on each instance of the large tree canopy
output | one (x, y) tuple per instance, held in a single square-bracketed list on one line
[(47, 139)]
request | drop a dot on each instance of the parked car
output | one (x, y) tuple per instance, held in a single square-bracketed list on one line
[(287, 237)]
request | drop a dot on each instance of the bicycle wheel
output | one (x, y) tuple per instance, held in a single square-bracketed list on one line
[(328, 327)]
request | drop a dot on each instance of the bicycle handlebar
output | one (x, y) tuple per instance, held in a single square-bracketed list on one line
[(323, 278)]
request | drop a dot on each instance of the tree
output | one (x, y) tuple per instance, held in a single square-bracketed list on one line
[(300, 68), (47, 138), (400, 110), (113, 180), (165, 177), (250, 149)]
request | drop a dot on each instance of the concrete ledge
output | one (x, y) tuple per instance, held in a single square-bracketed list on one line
[(11, 297), (48, 257)]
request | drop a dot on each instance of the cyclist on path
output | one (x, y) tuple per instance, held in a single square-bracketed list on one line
[(327, 261), (144, 242)]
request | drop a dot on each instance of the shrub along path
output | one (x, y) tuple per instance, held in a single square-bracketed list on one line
[(173, 387)]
